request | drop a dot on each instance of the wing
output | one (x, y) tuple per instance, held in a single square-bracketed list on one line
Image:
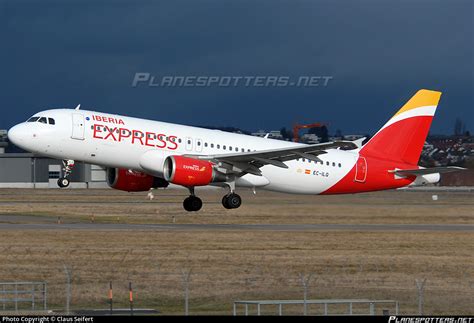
[(425, 171), (250, 162)]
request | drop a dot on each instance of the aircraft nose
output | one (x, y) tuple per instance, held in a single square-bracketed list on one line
[(17, 134)]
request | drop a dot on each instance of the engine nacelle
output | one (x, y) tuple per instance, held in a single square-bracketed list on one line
[(132, 181), (188, 172), (426, 179)]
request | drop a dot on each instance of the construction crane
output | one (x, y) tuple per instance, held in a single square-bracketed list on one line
[(297, 127)]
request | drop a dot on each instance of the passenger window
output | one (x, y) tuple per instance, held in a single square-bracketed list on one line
[(42, 120), (205, 144), (199, 143), (339, 164), (51, 121), (179, 140), (327, 163), (333, 164), (33, 119), (230, 148), (212, 145), (218, 146), (223, 147), (243, 150)]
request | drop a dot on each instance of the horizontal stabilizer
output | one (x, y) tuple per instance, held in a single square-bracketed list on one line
[(426, 171), (358, 142)]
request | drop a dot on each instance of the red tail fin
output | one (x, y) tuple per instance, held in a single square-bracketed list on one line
[(403, 136)]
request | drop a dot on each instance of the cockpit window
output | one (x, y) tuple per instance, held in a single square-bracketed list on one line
[(51, 121), (33, 119), (42, 120)]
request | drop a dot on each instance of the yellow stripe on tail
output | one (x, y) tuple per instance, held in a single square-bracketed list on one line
[(422, 98)]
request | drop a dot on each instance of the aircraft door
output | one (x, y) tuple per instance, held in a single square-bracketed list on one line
[(77, 126), (361, 170)]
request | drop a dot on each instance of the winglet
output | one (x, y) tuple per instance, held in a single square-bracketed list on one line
[(78, 107)]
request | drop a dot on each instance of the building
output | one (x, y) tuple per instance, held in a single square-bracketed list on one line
[(273, 134), (26, 170), (260, 133), (353, 137), (310, 138), (3, 141)]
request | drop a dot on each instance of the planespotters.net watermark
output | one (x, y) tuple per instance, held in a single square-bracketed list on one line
[(427, 319), (144, 79)]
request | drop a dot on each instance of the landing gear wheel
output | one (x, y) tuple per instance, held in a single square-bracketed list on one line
[(63, 182), (68, 165), (224, 202), (231, 201), (192, 204)]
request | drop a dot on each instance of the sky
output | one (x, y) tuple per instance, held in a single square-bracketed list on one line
[(377, 53)]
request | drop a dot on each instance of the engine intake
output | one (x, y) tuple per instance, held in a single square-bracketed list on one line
[(187, 171)]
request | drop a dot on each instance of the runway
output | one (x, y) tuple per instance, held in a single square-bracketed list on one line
[(236, 227)]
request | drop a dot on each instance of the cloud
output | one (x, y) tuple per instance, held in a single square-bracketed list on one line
[(379, 52)]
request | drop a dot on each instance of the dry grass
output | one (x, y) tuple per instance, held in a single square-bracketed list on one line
[(230, 265), (265, 207)]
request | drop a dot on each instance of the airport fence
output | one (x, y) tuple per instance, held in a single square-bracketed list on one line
[(79, 278)]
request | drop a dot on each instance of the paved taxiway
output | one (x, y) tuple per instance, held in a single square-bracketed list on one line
[(237, 227)]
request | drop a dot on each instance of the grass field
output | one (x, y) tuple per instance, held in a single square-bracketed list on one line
[(230, 265)]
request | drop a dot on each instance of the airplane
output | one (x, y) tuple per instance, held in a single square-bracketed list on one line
[(142, 154)]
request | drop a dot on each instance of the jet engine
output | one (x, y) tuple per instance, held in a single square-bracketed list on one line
[(426, 179), (132, 181), (190, 172)]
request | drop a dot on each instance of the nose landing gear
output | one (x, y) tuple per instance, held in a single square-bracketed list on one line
[(68, 165), (63, 182)]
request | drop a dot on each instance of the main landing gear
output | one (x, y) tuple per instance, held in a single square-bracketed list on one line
[(192, 203), (68, 165), (230, 201)]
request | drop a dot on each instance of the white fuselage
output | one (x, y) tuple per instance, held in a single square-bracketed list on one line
[(96, 138)]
